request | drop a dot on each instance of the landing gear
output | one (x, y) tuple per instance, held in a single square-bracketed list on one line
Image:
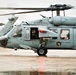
[(15, 49), (42, 51), (4, 42)]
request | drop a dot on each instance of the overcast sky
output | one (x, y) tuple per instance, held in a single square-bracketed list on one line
[(33, 3)]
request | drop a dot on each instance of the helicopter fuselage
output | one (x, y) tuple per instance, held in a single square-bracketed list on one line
[(62, 41), (41, 34)]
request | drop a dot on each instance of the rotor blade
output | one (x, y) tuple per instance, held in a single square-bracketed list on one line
[(19, 13), (52, 8), (74, 7), (10, 8)]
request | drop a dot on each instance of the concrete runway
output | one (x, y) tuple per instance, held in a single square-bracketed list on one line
[(21, 60), (51, 53)]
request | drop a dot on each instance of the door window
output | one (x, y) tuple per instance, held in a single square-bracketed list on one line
[(65, 34)]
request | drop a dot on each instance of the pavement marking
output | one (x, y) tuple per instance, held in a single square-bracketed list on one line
[(41, 62)]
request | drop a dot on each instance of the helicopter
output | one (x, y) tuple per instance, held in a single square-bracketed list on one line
[(57, 32)]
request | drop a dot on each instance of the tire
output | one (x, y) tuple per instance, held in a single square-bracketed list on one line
[(3, 42), (15, 49), (42, 51)]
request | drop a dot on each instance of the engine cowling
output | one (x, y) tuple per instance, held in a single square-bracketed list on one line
[(59, 20)]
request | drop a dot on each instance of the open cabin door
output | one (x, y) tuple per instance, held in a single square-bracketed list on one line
[(26, 33), (30, 33), (34, 33)]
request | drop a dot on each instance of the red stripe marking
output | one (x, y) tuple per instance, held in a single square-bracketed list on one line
[(41, 62)]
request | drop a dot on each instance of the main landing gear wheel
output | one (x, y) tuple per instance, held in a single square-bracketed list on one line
[(4, 42), (42, 51)]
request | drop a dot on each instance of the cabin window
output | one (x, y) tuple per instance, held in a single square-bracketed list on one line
[(18, 34), (65, 34), (34, 33)]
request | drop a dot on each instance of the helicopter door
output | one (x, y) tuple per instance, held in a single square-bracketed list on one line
[(34, 33), (26, 33), (74, 38)]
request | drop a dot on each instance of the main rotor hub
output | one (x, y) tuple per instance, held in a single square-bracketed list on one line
[(60, 7)]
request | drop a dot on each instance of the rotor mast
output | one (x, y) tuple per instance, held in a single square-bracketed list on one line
[(58, 12), (60, 7)]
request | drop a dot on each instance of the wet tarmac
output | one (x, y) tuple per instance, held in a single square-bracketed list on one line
[(21, 61)]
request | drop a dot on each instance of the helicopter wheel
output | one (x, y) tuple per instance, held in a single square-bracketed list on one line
[(15, 49), (4, 42), (42, 51)]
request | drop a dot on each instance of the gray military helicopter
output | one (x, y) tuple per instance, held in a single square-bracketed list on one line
[(57, 32)]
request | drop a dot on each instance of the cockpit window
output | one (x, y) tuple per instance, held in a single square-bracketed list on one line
[(65, 34)]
